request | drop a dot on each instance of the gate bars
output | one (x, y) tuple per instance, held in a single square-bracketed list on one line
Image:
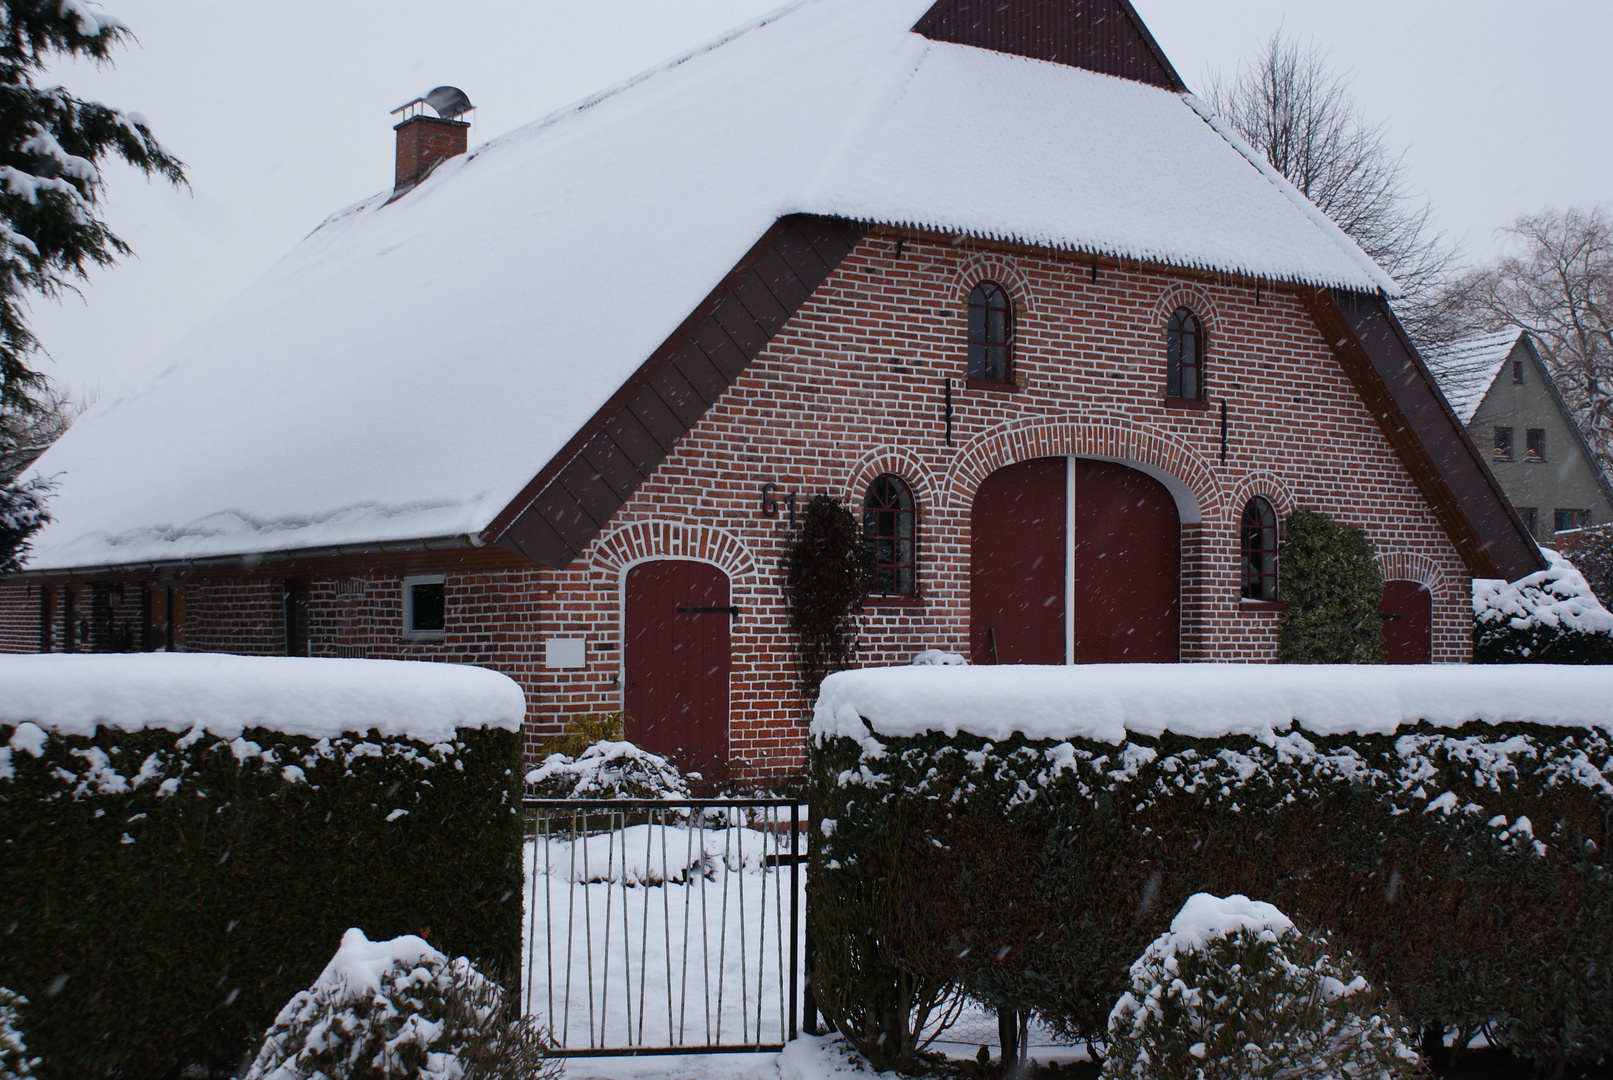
[(659, 926)]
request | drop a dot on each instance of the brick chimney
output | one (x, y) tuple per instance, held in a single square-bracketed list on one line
[(423, 141)]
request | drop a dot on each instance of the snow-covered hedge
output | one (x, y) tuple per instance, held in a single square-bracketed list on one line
[(402, 1010), (188, 836), (1027, 833), (1548, 617), (1234, 990), (607, 770)]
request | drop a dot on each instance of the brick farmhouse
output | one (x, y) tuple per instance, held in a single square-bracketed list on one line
[(984, 271)]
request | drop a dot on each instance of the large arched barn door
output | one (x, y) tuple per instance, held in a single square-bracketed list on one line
[(675, 650), (1090, 582), (1407, 612)]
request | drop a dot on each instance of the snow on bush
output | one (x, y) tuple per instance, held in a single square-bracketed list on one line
[(73, 694), (938, 658), (1233, 990), (1558, 597), (14, 1060), (608, 770), (402, 1010)]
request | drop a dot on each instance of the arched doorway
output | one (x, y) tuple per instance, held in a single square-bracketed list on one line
[(675, 647), (1407, 612), (1074, 561)]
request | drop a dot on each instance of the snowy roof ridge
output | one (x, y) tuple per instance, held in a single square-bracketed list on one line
[(1466, 369), (332, 404)]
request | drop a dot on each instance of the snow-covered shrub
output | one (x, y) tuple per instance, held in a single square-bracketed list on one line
[(1549, 617), (226, 860), (401, 1010), (585, 730), (608, 770), (1591, 551), (1233, 990), (15, 1064), (1330, 582)]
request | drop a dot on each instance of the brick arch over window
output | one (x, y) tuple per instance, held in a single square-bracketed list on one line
[(1266, 487), (1411, 566), (1185, 476), (992, 267), (1180, 295), (913, 472), (636, 541)]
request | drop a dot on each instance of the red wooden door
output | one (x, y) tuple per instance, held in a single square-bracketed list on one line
[(1016, 565), (1407, 612), (676, 655), (1128, 557)]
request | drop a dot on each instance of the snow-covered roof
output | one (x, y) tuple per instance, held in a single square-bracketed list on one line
[(408, 367), (1466, 369)]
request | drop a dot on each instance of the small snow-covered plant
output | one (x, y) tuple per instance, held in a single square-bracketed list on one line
[(1549, 617), (1234, 991), (14, 1060), (401, 1010), (608, 770)]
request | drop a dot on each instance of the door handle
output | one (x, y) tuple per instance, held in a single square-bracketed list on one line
[(731, 612)]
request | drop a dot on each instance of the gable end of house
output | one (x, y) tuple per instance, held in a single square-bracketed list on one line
[(1105, 36), (568, 503)]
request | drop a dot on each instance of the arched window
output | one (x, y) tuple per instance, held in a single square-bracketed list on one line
[(1184, 354), (1259, 550), (991, 332), (888, 535)]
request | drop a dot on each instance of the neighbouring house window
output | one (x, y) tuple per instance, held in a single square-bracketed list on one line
[(991, 332), (1534, 444), (1259, 550), (1184, 356), (1531, 517), (424, 607), (1517, 371), (72, 631), (165, 619), (1563, 520), (888, 528), (297, 638), (1503, 444), (47, 618)]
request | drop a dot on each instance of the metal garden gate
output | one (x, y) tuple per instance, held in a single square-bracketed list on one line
[(664, 926)]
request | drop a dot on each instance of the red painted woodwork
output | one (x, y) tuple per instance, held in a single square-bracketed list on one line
[(1128, 557), (1408, 623), (1127, 566), (1016, 565), (678, 663)]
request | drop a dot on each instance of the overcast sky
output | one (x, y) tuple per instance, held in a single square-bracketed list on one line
[(281, 113)]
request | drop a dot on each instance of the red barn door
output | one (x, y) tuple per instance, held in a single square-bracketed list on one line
[(676, 654), (1128, 558), (1407, 612), (1016, 565), (1125, 548)]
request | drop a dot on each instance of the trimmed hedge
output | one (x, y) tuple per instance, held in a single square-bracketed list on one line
[(1033, 873), (164, 894)]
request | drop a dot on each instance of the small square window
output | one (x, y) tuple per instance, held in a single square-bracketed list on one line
[(1563, 520), (1534, 444), (1517, 371), (424, 606), (1531, 518), (1503, 444)]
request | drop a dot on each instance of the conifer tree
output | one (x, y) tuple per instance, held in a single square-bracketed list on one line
[(52, 190)]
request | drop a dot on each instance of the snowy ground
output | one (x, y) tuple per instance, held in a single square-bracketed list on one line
[(676, 936)]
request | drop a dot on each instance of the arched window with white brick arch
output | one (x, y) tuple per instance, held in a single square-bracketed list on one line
[(991, 333), (890, 535), (1257, 548)]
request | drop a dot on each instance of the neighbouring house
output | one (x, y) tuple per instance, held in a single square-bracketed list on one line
[(995, 279), (1501, 389)]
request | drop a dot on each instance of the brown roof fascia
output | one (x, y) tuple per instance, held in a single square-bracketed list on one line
[(1496, 544), (1153, 46)]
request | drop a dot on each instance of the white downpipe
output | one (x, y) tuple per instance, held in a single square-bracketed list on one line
[(1069, 560)]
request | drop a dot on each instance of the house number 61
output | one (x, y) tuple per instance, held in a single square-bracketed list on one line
[(770, 504)]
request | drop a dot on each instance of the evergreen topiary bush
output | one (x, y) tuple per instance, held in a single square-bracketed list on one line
[(1331, 584), (827, 574), (401, 1010), (1232, 990)]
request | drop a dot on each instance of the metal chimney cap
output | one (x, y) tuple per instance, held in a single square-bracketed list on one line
[(450, 102)]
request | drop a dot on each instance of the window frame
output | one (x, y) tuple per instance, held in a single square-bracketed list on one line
[(898, 593), (983, 378), (1176, 332), (410, 633), (1265, 580), (1578, 519), (1502, 448), (1534, 444), (1531, 518)]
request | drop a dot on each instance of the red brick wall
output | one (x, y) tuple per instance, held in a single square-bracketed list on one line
[(851, 388)]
